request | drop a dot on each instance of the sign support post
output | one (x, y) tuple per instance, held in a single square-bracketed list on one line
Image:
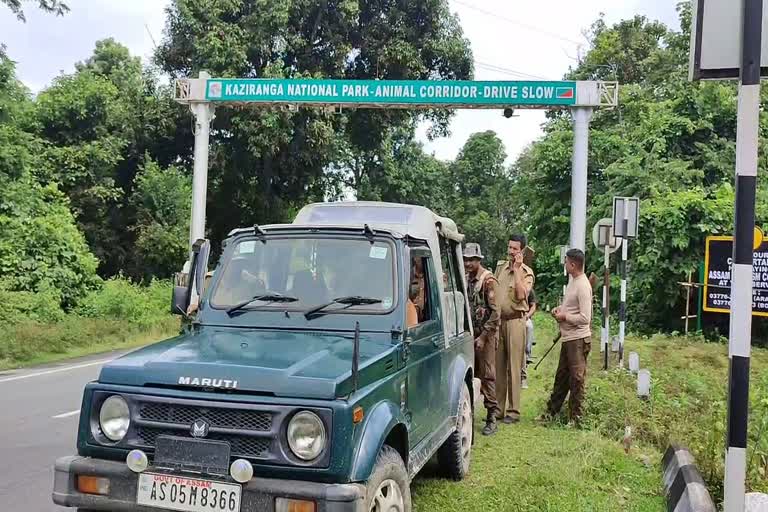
[(581, 118), (626, 218), (623, 297), (740, 333), (203, 112), (606, 305), (602, 237)]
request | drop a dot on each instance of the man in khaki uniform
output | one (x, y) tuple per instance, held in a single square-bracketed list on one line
[(482, 292), (515, 283)]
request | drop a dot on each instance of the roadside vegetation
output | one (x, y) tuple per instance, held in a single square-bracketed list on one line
[(555, 467), (119, 314)]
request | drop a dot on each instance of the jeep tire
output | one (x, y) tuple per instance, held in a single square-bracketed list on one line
[(388, 489), (455, 453)]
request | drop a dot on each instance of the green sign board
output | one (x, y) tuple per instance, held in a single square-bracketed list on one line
[(403, 93)]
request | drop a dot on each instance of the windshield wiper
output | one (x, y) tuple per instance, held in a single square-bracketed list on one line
[(352, 300), (265, 297)]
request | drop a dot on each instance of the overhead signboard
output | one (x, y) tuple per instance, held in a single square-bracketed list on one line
[(716, 40), (717, 269), (391, 92)]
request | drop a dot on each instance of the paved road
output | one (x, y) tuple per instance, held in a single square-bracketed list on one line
[(38, 423)]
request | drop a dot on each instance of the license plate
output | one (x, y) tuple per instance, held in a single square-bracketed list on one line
[(173, 492)]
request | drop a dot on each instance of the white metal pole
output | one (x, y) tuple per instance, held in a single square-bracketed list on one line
[(623, 297), (203, 113), (606, 333), (581, 117), (740, 335)]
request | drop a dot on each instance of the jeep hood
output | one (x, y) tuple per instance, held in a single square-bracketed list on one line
[(280, 363)]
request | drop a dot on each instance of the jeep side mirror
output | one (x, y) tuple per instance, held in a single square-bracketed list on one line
[(193, 280), (179, 300)]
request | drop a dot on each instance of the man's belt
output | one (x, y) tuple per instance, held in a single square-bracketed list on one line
[(514, 315)]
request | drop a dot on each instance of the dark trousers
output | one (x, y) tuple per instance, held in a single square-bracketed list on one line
[(485, 368), (570, 377)]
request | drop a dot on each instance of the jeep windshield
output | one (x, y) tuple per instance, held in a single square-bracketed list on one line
[(309, 271)]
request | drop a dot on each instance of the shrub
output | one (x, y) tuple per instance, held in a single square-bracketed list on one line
[(119, 299), (26, 340), (41, 244), (18, 306), (687, 403)]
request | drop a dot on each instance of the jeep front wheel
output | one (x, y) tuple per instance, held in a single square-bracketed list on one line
[(454, 455), (388, 489)]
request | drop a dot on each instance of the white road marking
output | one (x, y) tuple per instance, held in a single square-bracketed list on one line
[(66, 414), (55, 370)]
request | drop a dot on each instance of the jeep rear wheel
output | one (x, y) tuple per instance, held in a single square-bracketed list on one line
[(388, 489), (455, 454)]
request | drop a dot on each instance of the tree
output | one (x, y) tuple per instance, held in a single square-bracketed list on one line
[(266, 164), (163, 200), (101, 122), (479, 200), (41, 249), (670, 142), (56, 7)]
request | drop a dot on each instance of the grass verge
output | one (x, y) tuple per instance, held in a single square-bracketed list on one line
[(534, 467), (31, 343), (529, 466)]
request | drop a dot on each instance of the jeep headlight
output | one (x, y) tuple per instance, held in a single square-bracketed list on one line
[(114, 418), (306, 435)]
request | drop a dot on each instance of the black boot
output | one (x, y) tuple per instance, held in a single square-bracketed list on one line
[(490, 427)]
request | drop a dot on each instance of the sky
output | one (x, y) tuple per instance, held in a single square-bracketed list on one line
[(510, 39)]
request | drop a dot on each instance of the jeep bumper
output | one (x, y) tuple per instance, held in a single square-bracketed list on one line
[(258, 495)]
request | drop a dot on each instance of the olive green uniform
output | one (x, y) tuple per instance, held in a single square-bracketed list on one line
[(482, 289)]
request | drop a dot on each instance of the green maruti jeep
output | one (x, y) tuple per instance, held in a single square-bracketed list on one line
[(297, 385)]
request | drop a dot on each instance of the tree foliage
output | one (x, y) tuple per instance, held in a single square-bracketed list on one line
[(265, 164), (41, 249), (162, 199), (670, 142), (56, 7), (108, 141), (100, 123)]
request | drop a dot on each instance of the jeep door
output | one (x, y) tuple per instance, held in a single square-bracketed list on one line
[(425, 344)]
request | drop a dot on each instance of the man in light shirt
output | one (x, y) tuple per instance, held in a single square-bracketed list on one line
[(574, 318)]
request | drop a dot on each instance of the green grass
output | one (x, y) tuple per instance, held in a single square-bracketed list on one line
[(535, 467), (118, 315), (555, 467), (31, 343)]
